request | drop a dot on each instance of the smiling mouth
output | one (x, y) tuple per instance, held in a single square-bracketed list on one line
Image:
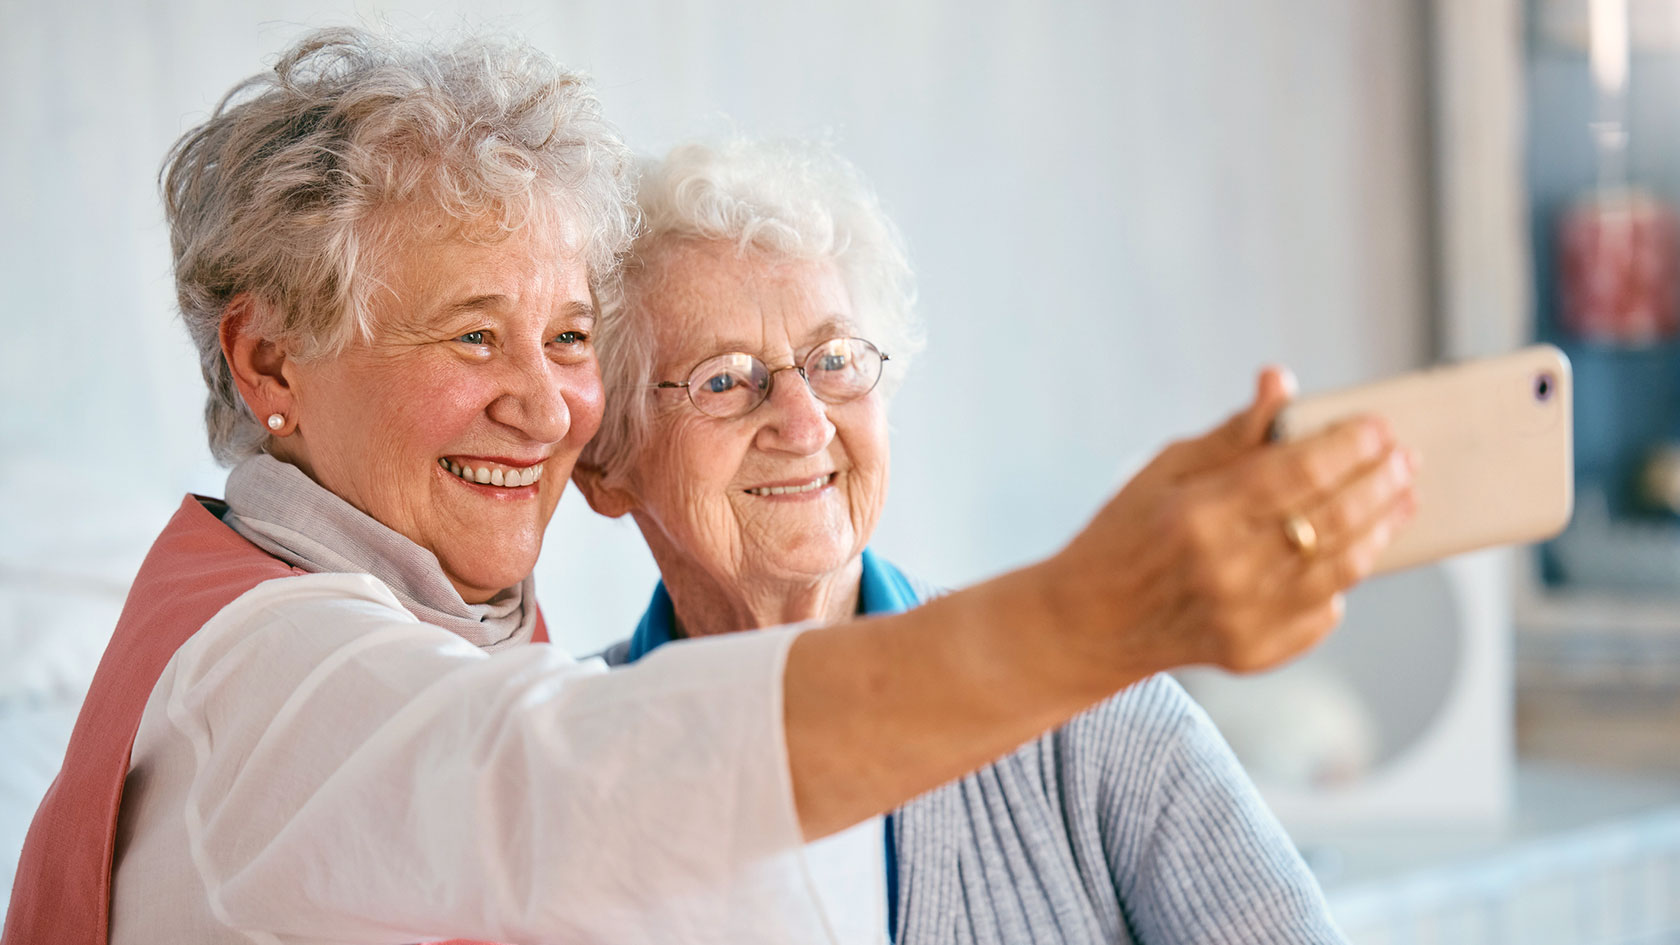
[(811, 486), (491, 474)]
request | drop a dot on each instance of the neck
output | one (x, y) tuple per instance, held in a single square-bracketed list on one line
[(705, 606)]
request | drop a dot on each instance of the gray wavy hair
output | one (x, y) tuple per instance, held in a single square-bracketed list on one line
[(303, 176), (788, 199)]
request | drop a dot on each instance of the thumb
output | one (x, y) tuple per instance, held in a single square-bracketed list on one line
[(1244, 431)]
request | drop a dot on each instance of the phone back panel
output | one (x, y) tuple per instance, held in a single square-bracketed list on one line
[(1494, 440)]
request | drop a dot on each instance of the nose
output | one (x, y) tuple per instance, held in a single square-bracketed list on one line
[(793, 419), (532, 398)]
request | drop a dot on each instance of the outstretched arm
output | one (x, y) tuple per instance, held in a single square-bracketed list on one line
[(1188, 564)]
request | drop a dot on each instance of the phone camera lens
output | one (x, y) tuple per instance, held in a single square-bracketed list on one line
[(1543, 385)]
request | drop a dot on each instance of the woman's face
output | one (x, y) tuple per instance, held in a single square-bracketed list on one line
[(480, 359), (700, 488)]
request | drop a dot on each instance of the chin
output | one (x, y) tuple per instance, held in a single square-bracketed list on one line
[(815, 561), (487, 580)]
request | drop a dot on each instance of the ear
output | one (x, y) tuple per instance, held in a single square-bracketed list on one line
[(611, 501), (258, 364)]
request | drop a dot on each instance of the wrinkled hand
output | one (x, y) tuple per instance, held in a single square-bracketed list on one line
[(1191, 562)]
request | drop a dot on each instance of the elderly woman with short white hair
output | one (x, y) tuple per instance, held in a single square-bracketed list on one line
[(765, 319)]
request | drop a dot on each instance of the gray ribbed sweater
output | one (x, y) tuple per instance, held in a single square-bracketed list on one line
[(1132, 823)]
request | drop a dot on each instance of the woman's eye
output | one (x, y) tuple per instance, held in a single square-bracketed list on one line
[(571, 337), (473, 337), (832, 362), (720, 383)]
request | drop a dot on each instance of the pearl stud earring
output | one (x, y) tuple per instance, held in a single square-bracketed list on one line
[(276, 421)]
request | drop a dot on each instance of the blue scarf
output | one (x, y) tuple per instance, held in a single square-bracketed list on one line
[(883, 590)]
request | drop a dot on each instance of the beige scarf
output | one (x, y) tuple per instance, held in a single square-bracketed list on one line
[(285, 513)]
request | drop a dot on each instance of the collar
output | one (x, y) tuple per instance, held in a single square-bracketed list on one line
[(278, 508), (883, 589)]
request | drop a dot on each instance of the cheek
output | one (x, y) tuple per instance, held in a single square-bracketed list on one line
[(385, 411), (870, 456), (585, 401), (691, 469), (864, 435), (436, 407), (706, 466)]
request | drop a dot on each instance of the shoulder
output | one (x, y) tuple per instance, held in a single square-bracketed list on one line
[(925, 590), (1129, 745), (1141, 719), (312, 600), (1149, 744)]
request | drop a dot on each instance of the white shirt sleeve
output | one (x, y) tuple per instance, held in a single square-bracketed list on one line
[(356, 775)]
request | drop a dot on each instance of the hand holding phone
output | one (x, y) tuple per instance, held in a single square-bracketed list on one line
[(1494, 442)]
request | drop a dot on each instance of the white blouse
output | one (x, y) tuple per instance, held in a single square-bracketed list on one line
[(316, 765)]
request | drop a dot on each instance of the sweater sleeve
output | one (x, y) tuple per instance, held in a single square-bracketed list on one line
[(356, 775), (1195, 854)]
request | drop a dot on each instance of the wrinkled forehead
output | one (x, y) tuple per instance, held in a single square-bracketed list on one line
[(706, 298), (423, 261), (397, 226)]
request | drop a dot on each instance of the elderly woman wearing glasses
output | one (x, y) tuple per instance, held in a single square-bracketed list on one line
[(746, 433)]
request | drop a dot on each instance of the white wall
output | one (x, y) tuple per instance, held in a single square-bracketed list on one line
[(1117, 209)]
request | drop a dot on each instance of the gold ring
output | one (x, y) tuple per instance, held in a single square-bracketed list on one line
[(1301, 534)]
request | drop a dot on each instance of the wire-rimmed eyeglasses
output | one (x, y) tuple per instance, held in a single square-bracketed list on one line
[(734, 384)]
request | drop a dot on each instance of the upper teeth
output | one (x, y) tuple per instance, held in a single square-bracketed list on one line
[(811, 486), (494, 475)]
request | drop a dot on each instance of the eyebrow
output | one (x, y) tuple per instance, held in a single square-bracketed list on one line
[(833, 327), (472, 303), (576, 308)]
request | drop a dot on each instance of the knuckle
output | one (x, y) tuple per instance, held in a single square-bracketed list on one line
[(1369, 436), (1320, 472), (1306, 469), (1219, 581), (1339, 516), (1197, 520), (1348, 568), (1381, 435), (1174, 452)]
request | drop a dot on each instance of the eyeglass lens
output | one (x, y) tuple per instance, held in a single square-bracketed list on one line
[(838, 370)]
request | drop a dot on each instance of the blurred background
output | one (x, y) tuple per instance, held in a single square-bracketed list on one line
[(1118, 212)]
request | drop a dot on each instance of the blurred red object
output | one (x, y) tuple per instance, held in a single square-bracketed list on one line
[(1619, 268)]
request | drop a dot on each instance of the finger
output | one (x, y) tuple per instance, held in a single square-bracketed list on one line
[(1244, 431), (1336, 570), (1301, 474), (1344, 514), (1257, 545)]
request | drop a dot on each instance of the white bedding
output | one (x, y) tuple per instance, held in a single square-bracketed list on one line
[(32, 739), (72, 550)]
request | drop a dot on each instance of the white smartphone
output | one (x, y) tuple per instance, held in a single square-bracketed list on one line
[(1494, 440)]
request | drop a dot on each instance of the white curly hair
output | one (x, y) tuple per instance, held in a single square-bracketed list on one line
[(789, 199)]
